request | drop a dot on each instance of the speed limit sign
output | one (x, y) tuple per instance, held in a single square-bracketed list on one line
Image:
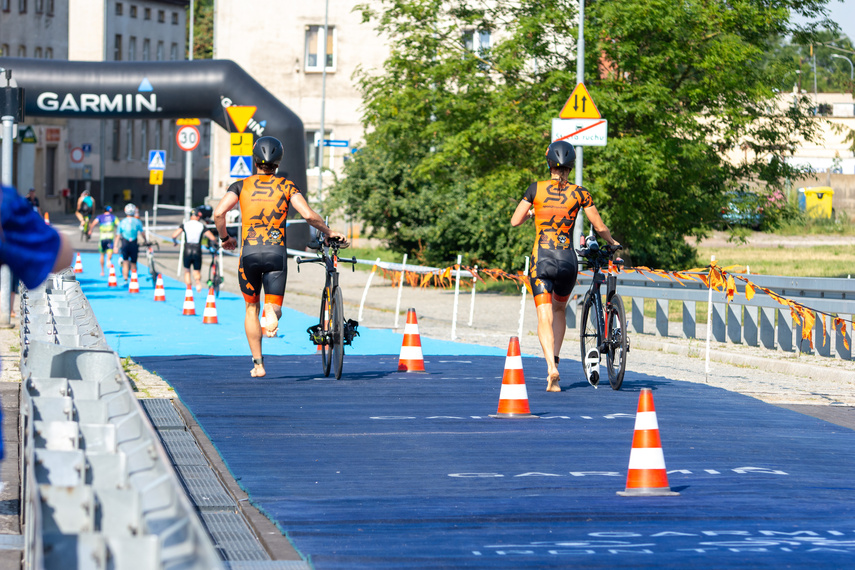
[(187, 137)]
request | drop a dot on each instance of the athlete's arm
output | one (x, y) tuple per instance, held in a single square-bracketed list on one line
[(177, 232), (315, 220), (599, 226), (227, 202), (522, 213)]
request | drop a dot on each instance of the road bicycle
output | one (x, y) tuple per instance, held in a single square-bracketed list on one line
[(333, 331), (150, 246), (215, 277), (84, 229), (603, 329)]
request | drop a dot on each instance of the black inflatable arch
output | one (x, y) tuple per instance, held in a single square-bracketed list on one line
[(160, 90)]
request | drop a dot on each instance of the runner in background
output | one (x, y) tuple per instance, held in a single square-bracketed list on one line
[(106, 224), (194, 230), (85, 206), (127, 243)]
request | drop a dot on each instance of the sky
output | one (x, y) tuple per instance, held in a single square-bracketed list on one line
[(843, 13)]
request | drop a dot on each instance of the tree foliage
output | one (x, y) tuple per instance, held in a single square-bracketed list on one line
[(203, 29), (455, 135)]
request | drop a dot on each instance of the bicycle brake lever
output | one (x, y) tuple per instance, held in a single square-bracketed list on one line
[(298, 260), (353, 265)]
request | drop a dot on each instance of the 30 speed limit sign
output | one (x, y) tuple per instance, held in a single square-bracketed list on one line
[(187, 137)]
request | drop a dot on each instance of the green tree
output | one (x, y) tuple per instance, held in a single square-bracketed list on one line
[(455, 135), (203, 29)]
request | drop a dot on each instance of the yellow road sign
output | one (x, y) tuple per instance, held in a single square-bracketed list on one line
[(241, 144), (155, 177), (192, 122), (580, 105), (240, 114)]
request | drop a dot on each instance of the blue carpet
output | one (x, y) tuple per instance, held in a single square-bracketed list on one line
[(390, 470)]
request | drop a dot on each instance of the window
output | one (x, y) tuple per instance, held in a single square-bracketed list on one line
[(48, 53), (173, 52), (146, 50), (158, 135), (40, 6), (159, 51), (147, 14), (132, 48), (478, 42), (50, 170), (312, 148), (5, 5), (4, 50), (117, 48), (22, 6), (161, 16), (22, 51), (129, 140), (50, 7), (133, 11), (170, 141), (314, 45), (175, 18), (119, 8), (38, 53), (144, 141), (117, 131)]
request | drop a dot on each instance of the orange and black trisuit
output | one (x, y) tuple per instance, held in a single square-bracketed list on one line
[(554, 266), (264, 201)]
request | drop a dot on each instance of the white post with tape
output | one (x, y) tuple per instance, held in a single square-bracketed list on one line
[(365, 291), (456, 299), (180, 256), (522, 300), (400, 288), (472, 299)]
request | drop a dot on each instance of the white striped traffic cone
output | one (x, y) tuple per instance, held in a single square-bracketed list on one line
[(411, 359), (111, 279), (513, 399), (78, 265), (209, 316), (646, 476), (134, 285), (159, 291), (189, 305)]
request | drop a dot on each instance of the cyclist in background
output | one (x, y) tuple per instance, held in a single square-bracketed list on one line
[(194, 230), (106, 224), (127, 242), (554, 204), (85, 207), (264, 200)]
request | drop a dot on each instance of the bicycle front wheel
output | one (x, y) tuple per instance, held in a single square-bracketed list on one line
[(590, 337), (616, 342), (326, 348), (214, 278), (337, 315), (152, 267)]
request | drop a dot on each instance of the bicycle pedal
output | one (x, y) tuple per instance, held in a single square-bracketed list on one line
[(592, 367), (350, 331), (316, 335)]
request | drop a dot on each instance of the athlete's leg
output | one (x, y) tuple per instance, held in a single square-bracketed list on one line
[(197, 275), (274, 288), (187, 277), (559, 322), (545, 333), (253, 336), (249, 280)]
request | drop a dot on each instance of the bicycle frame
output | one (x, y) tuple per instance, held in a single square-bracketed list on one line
[(601, 312)]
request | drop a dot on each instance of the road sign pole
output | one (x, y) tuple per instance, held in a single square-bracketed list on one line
[(188, 184), (154, 208), (580, 78)]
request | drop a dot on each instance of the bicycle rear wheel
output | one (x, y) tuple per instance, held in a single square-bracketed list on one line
[(214, 278), (326, 349), (152, 267), (337, 315), (616, 342), (590, 337)]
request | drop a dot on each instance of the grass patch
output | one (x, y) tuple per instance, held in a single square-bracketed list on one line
[(822, 261)]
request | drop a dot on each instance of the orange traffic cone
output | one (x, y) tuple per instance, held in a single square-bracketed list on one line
[(189, 306), (646, 476), (159, 291), (513, 399), (134, 285), (209, 316), (47, 218), (111, 279), (411, 359), (78, 265)]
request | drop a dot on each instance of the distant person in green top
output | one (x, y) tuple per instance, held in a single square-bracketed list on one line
[(106, 224)]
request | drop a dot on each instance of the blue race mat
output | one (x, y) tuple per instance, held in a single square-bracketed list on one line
[(390, 470)]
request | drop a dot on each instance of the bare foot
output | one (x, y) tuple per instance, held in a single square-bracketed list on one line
[(258, 368), (552, 382), (271, 326)]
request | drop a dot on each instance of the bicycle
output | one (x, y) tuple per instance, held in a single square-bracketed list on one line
[(215, 278), (603, 329), (84, 229), (149, 256), (333, 332)]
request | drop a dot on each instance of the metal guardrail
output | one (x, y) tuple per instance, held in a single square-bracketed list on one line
[(760, 321), (99, 491)]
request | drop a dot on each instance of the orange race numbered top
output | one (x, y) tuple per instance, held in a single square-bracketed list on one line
[(264, 201), (556, 206)]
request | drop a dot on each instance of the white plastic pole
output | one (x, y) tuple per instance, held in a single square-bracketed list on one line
[(365, 291), (456, 299), (472, 299), (400, 288), (147, 238), (180, 256), (709, 328), (522, 301)]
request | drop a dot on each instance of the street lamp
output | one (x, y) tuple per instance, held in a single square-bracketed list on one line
[(851, 69)]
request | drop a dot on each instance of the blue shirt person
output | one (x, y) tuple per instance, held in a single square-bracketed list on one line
[(129, 230)]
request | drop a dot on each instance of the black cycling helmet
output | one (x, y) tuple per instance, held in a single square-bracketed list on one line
[(560, 153), (267, 151)]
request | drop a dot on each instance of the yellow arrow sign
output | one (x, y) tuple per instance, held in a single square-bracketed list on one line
[(240, 114), (241, 144), (580, 105), (155, 177)]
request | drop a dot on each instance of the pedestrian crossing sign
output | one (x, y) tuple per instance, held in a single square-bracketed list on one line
[(240, 166), (156, 159)]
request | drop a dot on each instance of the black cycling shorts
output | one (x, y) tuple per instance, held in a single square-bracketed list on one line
[(265, 265), (193, 256), (130, 250), (553, 273)]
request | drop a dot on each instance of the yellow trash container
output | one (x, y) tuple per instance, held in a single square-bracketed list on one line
[(817, 201)]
